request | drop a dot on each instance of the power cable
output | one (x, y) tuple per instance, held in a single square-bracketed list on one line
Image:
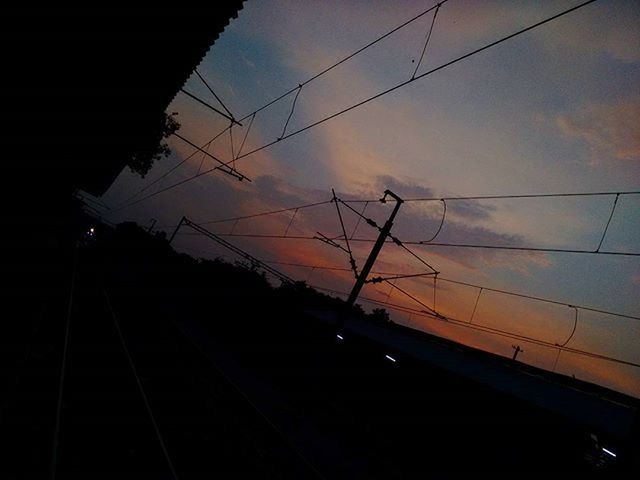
[(389, 90), (479, 287), (453, 245), (424, 49), (494, 331), (502, 197), (613, 209), (407, 82), (213, 93), (444, 214), (209, 106)]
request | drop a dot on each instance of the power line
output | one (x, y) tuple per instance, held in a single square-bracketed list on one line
[(444, 215), (213, 93), (209, 106), (394, 239), (262, 214), (413, 79), (509, 196), (433, 314), (453, 245), (352, 261), (314, 77), (425, 199), (494, 331), (482, 287), (385, 92), (426, 43), (523, 249), (231, 171), (531, 297), (613, 209), (343, 60), (254, 261), (164, 175)]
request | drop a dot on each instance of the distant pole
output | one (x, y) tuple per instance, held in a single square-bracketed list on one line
[(176, 230), (153, 222), (517, 350), (384, 233)]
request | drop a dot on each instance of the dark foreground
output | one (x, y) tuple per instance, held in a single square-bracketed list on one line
[(244, 382)]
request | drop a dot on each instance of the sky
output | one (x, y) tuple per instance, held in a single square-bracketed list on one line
[(554, 110)]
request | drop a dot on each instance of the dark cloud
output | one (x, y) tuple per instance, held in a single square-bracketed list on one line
[(470, 209), (403, 189)]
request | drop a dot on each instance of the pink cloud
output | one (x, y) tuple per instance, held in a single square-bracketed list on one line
[(609, 129)]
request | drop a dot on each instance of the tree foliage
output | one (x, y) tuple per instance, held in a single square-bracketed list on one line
[(152, 146)]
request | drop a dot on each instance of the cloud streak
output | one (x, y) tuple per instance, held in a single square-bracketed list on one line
[(609, 130)]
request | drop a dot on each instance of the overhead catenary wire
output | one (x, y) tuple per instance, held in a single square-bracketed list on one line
[(331, 67), (295, 212), (480, 287), (452, 245), (425, 199), (246, 134), (172, 169), (355, 229), (490, 330), (306, 82), (575, 326), (394, 239), (343, 60), (212, 92), (293, 107), (426, 43), (229, 170), (434, 314), (613, 209), (209, 106), (204, 157), (444, 214), (387, 91), (352, 261), (261, 214), (503, 197), (423, 75)]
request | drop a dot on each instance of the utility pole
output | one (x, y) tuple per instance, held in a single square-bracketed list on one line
[(517, 350), (153, 223), (384, 233), (176, 230)]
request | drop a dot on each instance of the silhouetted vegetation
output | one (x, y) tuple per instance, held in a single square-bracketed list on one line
[(151, 146)]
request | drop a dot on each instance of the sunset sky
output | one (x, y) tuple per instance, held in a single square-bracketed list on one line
[(555, 110)]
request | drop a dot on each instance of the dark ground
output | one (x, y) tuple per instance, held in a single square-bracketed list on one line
[(243, 384)]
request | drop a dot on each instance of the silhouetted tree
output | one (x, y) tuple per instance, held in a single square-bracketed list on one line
[(152, 147), (379, 315)]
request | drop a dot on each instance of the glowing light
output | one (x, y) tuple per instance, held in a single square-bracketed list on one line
[(609, 452), (390, 358), (339, 337), (92, 230)]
